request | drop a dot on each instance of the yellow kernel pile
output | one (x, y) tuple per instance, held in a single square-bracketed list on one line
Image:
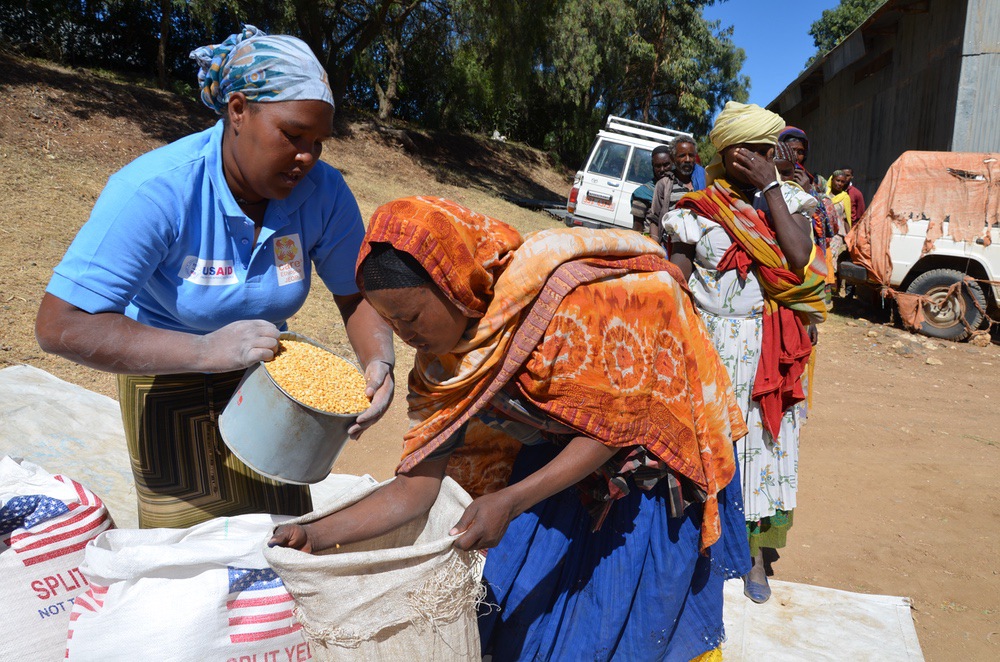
[(317, 378)]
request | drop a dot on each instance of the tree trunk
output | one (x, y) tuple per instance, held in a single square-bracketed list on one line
[(340, 58), (166, 9), (647, 100), (387, 97)]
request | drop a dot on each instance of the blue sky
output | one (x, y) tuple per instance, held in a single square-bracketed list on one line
[(775, 36)]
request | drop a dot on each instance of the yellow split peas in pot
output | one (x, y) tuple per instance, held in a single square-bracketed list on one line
[(318, 378)]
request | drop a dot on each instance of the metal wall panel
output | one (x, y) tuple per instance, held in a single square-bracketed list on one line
[(900, 95), (982, 27), (849, 51), (977, 110)]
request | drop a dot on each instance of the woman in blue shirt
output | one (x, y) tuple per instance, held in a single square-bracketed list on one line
[(194, 257)]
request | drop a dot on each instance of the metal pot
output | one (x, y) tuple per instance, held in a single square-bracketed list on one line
[(278, 436)]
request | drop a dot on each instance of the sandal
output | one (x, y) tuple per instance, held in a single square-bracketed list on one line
[(759, 593)]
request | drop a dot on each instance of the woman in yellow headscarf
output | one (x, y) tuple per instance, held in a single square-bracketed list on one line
[(565, 380), (746, 244), (836, 188)]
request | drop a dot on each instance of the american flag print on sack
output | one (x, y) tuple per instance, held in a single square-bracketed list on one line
[(40, 528), (91, 601), (259, 606)]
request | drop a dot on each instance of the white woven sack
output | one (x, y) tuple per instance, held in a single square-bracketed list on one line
[(203, 593), (406, 595), (45, 522)]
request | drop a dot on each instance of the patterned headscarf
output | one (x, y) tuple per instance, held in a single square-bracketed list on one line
[(463, 251), (595, 328), (795, 133), (264, 68)]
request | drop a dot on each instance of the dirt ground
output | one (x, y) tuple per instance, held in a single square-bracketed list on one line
[(902, 447)]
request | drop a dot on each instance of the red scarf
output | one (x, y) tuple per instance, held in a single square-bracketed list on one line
[(789, 298)]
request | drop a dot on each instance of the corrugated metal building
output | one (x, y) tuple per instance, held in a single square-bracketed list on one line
[(918, 74)]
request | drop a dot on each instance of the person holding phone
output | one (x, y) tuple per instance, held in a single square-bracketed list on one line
[(746, 246)]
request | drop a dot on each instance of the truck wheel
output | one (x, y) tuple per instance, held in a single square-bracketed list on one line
[(943, 316)]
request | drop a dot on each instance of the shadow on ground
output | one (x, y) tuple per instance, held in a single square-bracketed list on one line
[(69, 96), (865, 303), (160, 115), (466, 160)]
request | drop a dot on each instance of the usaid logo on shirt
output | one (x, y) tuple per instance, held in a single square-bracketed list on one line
[(208, 272), (288, 259)]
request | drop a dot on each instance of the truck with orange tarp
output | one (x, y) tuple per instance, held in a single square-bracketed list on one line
[(930, 240)]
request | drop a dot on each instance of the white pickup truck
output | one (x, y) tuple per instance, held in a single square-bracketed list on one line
[(931, 240), (619, 162)]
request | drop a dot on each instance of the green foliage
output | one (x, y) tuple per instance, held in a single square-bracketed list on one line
[(695, 69), (185, 89), (656, 60), (544, 72), (582, 72), (120, 35), (706, 150), (835, 24)]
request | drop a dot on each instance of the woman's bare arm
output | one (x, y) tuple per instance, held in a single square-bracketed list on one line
[(412, 494), (371, 338), (683, 256), (407, 497), (116, 343), (485, 520)]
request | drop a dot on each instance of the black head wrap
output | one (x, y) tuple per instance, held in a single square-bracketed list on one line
[(387, 268)]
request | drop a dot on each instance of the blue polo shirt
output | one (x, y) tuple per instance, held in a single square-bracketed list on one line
[(168, 246)]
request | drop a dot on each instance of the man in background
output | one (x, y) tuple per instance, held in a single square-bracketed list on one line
[(642, 197), (668, 191), (684, 154), (857, 198)]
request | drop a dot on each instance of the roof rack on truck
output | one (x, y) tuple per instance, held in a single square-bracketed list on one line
[(620, 161), (642, 130)]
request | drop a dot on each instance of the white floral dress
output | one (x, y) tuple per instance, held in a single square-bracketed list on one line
[(733, 312)]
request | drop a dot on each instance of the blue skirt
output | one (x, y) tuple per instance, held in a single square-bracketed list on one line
[(635, 590)]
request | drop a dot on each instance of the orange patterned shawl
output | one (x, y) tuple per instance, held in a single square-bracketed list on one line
[(593, 327)]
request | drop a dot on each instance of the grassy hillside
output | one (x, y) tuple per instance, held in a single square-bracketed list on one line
[(63, 132)]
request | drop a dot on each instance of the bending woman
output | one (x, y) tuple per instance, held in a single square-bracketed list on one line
[(193, 258), (745, 242), (567, 383)]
